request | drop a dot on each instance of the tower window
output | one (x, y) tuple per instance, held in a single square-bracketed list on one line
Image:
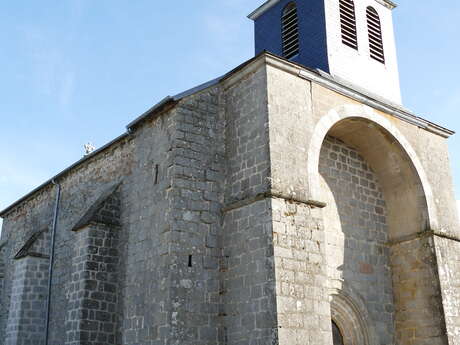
[(290, 31), (348, 23), (374, 29)]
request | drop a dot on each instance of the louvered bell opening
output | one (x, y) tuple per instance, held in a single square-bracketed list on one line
[(348, 23), (375, 35), (290, 32)]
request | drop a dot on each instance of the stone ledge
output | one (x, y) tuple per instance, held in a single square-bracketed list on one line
[(424, 234), (270, 195)]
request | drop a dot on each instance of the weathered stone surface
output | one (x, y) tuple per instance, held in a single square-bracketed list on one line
[(92, 311), (419, 313), (358, 257), (248, 278), (214, 235), (448, 262), (27, 309)]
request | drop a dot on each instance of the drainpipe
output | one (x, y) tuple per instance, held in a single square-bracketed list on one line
[(50, 272)]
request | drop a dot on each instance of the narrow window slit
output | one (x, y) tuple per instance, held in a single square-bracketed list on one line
[(156, 174), (189, 261)]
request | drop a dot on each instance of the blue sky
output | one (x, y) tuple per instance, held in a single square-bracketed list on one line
[(80, 70)]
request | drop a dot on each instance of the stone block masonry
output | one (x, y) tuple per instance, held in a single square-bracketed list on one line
[(27, 309), (248, 279), (192, 237), (302, 296), (204, 226), (419, 310), (92, 311), (448, 267), (2, 274), (357, 233), (246, 138)]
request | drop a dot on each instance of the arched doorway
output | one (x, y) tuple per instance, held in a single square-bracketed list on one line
[(349, 320)]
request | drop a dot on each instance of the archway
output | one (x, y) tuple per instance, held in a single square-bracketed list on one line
[(348, 318), (412, 208), (379, 202)]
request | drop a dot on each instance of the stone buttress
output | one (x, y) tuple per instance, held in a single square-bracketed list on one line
[(92, 310)]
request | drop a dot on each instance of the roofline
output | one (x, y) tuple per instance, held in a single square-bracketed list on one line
[(301, 71), (262, 9), (63, 172), (358, 94), (172, 100), (130, 128), (270, 3), (168, 100)]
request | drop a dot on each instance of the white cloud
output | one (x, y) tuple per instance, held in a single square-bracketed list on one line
[(458, 207)]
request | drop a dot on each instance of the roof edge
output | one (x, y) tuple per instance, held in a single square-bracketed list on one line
[(160, 105), (358, 94), (171, 100), (62, 173), (262, 9), (301, 71), (388, 3), (270, 3), (131, 127)]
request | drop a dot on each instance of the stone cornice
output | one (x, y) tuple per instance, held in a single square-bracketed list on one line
[(357, 94)]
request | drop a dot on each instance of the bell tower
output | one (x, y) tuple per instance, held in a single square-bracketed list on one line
[(352, 40)]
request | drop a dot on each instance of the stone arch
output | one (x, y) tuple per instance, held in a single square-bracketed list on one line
[(350, 315), (410, 198)]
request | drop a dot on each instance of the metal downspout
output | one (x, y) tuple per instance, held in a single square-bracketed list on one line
[(50, 272)]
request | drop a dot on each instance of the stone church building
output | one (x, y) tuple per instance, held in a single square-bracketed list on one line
[(292, 201)]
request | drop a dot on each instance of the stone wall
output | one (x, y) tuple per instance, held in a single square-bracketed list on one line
[(290, 124), (92, 311), (419, 313), (18, 227), (2, 280), (448, 262), (219, 240), (246, 136), (358, 257), (80, 188), (302, 296), (27, 309), (248, 278), (29, 292), (144, 299), (196, 198)]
